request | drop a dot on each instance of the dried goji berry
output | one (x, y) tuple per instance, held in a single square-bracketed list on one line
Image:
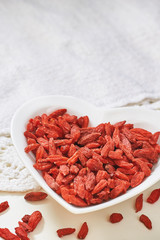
[(100, 185), (7, 235), (50, 181), (116, 191), (146, 221), (64, 169), (3, 206), (25, 226), (73, 159), (109, 146), (65, 231), (154, 196), (34, 219), (117, 154), (115, 217), (21, 233), (94, 165), (90, 181), (35, 196), (58, 112), (137, 179), (139, 203), (31, 147), (25, 218), (101, 174), (79, 186), (83, 231), (88, 138)]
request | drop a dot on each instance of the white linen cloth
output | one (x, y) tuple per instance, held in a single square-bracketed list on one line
[(106, 52)]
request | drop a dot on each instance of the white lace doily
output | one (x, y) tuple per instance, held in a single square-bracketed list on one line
[(14, 176)]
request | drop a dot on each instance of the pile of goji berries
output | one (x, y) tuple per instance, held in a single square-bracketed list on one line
[(89, 165)]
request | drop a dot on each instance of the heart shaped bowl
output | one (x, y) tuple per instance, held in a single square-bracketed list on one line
[(140, 117)]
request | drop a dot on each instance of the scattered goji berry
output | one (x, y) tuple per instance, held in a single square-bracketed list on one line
[(7, 235), (65, 231), (34, 219), (25, 218), (115, 217), (146, 221), (21, 233), (154, 196), (3, 206), (35, 196), (83, 231), (139, 203)]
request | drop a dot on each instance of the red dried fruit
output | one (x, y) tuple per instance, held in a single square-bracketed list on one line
[(121, 175), (34, 219), (28, 134), (154, 196), (64, 125), (39, 152), (79, 186), (137, 179), (50, 181), (72, 150), (139, 203), (115, 217), (31, 141), (31, 147), (21, 233), (76, 201), (83, 231), (25, 226), (100, 185), (109, 129), (116, 191), (146, 221), (144, 167), (64, 169), (7, 235), (44, 142), (117, 154), (90, 181), (52, 147), (3, 206), (25, 218), (88, 138), (44, 166), (101, 174), (74, 169), (109, 146), (119, 124), (73, 159), (35, 196), (94, 165), (57, 113), (65, 231), (116, 137)]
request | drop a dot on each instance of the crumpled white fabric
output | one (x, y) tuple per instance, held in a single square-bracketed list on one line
[(106, 52)]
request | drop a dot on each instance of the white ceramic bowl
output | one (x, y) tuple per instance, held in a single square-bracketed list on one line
[(140, 117)]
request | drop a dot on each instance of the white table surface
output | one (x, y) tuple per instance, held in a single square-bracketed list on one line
[(55, 217)]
